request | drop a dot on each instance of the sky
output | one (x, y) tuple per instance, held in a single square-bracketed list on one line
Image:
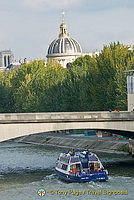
[(29, 26)]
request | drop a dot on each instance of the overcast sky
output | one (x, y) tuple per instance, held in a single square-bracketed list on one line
[(29, 26)]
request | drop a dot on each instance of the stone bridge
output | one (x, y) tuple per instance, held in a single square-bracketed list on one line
[(13, 125)]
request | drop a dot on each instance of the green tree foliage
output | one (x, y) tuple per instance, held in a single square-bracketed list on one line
[(80, 79), (6, 100), (89, 84), (32, 86), (112, 61)]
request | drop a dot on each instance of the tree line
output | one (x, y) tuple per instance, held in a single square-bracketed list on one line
[(88, 84)]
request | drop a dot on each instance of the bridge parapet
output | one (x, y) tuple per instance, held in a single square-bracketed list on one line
[(66, 116)]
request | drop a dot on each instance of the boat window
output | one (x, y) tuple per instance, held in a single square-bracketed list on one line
[(78, 168), (84, 160), (74, 168), (64, 159), (91, 165), (59, 165), (64, 167), (92, 158), (85, 165), (96, 164), (74, 159)]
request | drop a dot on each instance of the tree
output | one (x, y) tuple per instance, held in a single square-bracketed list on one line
[(88, 84)]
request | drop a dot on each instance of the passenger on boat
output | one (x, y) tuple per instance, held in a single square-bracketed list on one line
[(88, 152), (72, 153), (86, 156), (69, 153)]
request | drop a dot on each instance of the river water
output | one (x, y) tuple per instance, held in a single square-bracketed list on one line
[(26, 168)]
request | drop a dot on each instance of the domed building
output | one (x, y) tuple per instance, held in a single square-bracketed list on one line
[(64, 49)]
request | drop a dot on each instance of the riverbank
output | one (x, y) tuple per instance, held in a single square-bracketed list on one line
[(105, 144)]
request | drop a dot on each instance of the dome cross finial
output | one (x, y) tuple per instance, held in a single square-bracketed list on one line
[(63, 27), (63, 16)]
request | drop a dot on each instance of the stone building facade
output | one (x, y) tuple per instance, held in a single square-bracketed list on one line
[(6, 58)]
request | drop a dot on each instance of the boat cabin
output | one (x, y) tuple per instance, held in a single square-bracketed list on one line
[(79, 163)]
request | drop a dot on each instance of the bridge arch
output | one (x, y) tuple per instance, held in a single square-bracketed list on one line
[(21, 124)]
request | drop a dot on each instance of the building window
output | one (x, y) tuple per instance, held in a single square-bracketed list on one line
[(5, 61), (8, 60)]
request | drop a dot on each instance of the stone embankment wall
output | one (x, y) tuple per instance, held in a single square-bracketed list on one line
[(76, 142)]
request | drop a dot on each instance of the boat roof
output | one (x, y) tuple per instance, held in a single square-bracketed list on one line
[(77, 157)]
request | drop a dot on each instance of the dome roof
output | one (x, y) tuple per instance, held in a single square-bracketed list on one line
[(64, 45)]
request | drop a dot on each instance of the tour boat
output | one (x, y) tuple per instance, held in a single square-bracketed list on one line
[(80, 167)]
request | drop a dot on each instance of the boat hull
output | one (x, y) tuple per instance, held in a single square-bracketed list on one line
[(94, 176)]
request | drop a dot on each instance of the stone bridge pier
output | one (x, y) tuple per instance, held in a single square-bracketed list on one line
[(131, 147)]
